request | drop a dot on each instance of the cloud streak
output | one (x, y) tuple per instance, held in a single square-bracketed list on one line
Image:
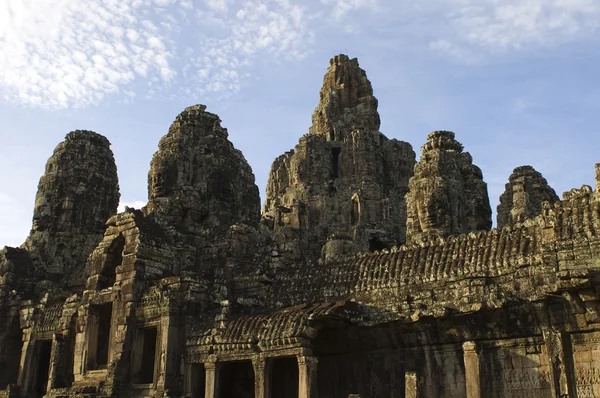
[(69, 53), (476, 27), (58, 53)]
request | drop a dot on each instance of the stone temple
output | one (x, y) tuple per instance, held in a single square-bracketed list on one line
[(367, 273)]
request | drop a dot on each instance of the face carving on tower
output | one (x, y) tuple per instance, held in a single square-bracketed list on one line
[(447, 193), (163, 181), (197, 179), (79, 189), (42, 214)]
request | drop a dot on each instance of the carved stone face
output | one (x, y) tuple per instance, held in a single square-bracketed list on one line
[(431, 212), (42, 214), (163, 178)]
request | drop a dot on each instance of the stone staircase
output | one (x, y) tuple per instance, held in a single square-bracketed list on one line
[(91, 386)]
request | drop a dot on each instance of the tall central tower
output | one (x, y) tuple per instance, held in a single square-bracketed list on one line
[(342, 188)]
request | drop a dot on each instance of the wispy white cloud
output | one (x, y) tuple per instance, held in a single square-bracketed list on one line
[(339, 8), (500, 26), (68, 53), (60, 53), (244, 32)]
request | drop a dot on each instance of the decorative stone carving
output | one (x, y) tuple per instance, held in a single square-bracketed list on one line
[(523, 196), (198, 181), (344, 180), (78, 192), (193, 294), (447, 194)]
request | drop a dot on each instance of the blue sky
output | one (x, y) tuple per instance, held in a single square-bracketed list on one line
[(516, 80)]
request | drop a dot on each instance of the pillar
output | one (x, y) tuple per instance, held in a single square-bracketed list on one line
[(167, 361), (25, 370), (56, 359), (187, 380), (472, 370), (307, 376), (211, 381), (411, 385), (431, 376), (562, 366), (262, 375)]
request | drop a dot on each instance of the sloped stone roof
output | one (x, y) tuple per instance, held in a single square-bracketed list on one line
[(284, 326)]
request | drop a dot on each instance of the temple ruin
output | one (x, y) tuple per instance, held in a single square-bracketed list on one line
[(367, 273)]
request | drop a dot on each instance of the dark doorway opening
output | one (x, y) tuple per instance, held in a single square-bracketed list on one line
[(376, 245), (355, 214), (114, 258), (335, 162), (44, 352), (65, 377), (198, 377), (236, 380), (10, 358), (148, 355), (104, 322), (284, 378)]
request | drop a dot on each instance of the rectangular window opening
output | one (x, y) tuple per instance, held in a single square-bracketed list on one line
[(335, 160), (100, 321), (43, 353), (144, 355), (198, 380)]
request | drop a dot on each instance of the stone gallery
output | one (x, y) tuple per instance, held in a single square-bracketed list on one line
[(366, 274)]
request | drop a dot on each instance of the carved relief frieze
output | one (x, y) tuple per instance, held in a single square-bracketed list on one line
[(588, 381)]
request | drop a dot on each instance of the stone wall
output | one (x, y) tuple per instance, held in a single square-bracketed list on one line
[(359, 280), (342, 188), (447, 194), (523, 196)]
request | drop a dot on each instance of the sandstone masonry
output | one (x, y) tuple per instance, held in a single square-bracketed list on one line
[(367, 274)]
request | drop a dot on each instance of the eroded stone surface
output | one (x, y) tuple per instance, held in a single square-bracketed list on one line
[(523, 196), (342, 188), (447, 194), (192, 296), (198, 179), (78, 192)]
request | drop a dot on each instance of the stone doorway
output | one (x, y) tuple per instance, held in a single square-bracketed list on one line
[(198, 380), (99, 337), (284, 377), (236, 380), (144, 360), (43, 351), (10, 355)]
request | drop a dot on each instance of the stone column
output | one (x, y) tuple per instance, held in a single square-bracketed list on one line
[(167, 361), (187, 380), (411, 385), (559, 372), (25, 376), (56, 359), (431, 376), (472, 369), (262, 378), (307, 376), (211, 380)]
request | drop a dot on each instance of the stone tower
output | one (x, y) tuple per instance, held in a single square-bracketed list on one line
[(447, 193), (523, 196), (198, 181), (78, 192), (343, 186)]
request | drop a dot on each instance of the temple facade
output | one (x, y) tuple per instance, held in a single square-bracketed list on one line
[(367, 273)]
